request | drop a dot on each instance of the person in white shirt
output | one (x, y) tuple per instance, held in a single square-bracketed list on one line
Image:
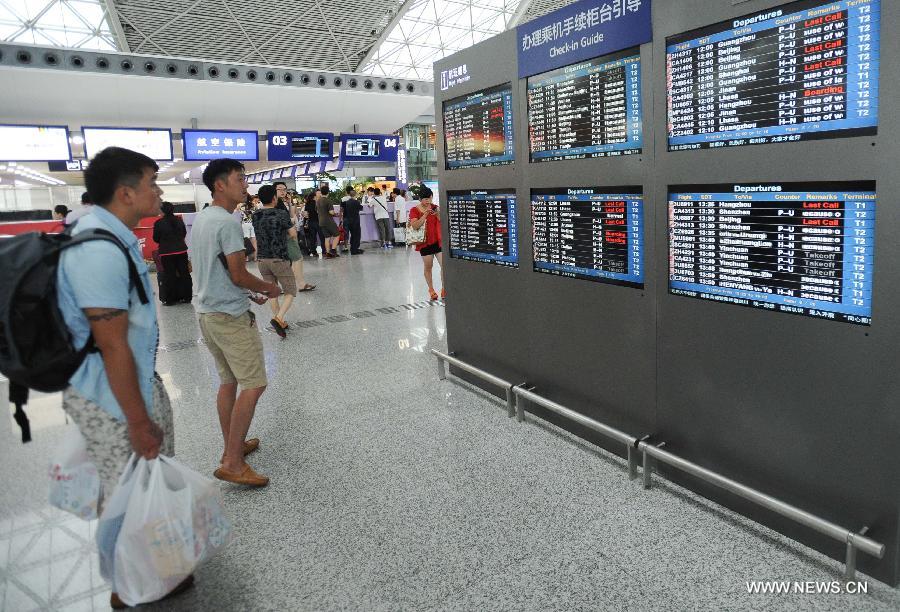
[(86, 207), (400, 212), (382, 217)]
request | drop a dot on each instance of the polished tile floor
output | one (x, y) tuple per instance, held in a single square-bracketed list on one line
[(392, 490)]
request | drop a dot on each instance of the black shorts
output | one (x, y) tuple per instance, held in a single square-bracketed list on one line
[(431, 249)]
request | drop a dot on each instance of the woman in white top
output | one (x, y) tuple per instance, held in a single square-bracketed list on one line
[(249, 233)]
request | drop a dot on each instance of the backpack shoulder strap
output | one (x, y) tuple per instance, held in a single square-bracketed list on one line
[(102, 234)]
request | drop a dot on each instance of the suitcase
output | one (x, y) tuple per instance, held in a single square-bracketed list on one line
[(160, 278)]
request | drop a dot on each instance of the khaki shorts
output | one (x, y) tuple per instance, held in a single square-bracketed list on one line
[(273, 270), (237, 348)]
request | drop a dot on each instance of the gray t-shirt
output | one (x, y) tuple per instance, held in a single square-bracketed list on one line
[(216, 232)]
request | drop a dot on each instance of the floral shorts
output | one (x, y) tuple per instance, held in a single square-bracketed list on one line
[(108, 444)]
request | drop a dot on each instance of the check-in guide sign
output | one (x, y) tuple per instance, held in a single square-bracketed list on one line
[(582, 31)]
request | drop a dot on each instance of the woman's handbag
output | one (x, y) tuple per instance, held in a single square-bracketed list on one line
[(415, 236)]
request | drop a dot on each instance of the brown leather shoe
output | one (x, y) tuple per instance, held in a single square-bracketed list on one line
[(117, 604), (249, 446), (246, 477)]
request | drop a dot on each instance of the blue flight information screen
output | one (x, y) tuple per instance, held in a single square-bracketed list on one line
[(292, 146), (478, 129), (800, 248), (204, 145), (590, 109), (804, 71), (483, 226), (591, 233)]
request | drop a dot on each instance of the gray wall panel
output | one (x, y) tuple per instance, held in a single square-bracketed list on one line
[(799, 408)]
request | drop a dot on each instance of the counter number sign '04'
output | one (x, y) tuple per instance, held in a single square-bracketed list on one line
[(454, 76)]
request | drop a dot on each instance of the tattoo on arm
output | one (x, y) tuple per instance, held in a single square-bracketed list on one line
[(106, 315)]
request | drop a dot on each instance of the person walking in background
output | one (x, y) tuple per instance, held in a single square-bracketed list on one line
[(59, 212), (247, 228), (274, 229), (326, 222), (312, 224), (400, 213), (382, 216), (175, 284), (86, 208), (227, 324), (428, 214), (352, 208), (115, 397)]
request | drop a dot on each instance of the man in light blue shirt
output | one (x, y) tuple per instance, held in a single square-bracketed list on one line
[(115, 398)]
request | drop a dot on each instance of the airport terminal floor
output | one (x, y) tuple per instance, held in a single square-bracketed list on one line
[(393, 490)]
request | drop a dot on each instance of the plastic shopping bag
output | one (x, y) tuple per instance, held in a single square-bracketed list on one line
[(74, 481), (113, 516), (399, 234), (173, 522)]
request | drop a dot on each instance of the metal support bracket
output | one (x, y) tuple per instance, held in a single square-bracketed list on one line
[(850, 567), (632, 462)]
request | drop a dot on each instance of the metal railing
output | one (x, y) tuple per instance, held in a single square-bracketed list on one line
[(653, 451), (451, 359)]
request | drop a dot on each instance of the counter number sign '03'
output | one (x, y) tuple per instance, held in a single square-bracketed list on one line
[(454, 76)]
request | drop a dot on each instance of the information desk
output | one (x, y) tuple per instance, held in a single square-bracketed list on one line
[(478, 129), (776, 76), (592, 109), (592, 233), (801, 248), (483, 226)]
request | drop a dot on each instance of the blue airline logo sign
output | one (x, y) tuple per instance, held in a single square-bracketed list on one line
[(582, 31)]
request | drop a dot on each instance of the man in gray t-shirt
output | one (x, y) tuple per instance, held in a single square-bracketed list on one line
[(226, 321)]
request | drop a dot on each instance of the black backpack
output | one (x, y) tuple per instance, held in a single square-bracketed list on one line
[(36, 350)]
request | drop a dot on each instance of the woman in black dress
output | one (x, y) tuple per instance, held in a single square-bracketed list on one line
[(173, 272)]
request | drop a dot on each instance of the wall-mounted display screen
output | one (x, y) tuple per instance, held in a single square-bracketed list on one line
[(204, 145), (801, 248), (483, 226), (478, 129), (24, 143), (807, 70), (592, 233), (154, 143), (369, 147), (290, 146), (591, 109)]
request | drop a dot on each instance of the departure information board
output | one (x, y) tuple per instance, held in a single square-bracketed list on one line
[(478, 129), (801, 248), (591, 109), (808, 70), (593, 233), (483, 226), (291, 146)]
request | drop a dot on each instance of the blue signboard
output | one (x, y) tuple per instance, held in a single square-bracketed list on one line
[(204, 145), (369, 147), (293, 146), (580, 32)]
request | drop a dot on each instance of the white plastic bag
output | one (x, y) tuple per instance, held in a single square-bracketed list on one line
[(114, 515), (399, 234), (74, 481), (173, 522)]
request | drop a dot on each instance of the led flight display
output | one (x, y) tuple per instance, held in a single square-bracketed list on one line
[(591, 109), (807, 70), (592, 233), (801, 248), (483, 226), (478, 129)]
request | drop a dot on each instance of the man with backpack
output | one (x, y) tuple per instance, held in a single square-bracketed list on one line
[(115, 397)]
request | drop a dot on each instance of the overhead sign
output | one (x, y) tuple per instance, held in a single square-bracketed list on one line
[(454, 76), (205, 145), (582, 31), (299, 146), (402, 178), (43, 143), (369, 147), (154, 143)]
